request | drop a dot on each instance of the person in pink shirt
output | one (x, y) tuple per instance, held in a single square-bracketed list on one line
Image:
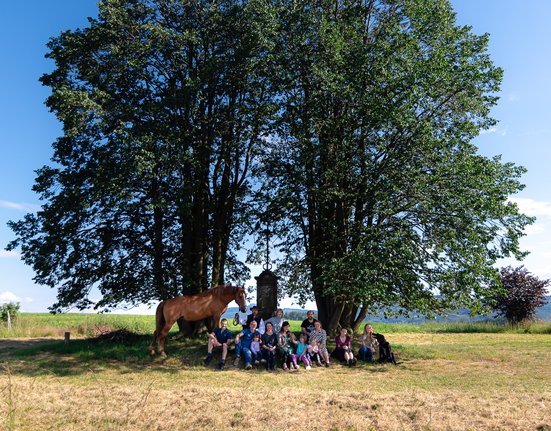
[(343, 350)]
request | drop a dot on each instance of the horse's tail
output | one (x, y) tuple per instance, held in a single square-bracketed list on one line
[(159, 323), (160, 317)]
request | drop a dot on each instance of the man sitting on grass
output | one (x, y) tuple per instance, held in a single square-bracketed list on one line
[(220, 337), (243, 342)]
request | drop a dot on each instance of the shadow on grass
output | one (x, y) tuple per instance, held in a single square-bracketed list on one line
[(119, 351), (81, 356)]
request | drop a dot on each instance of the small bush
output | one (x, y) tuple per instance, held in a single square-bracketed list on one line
[(523, 294), (12, 308)]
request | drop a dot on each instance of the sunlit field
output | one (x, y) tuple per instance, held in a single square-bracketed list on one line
[(459, 376)]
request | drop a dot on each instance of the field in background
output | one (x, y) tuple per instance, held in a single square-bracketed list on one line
[(450, 376), (89, 325)]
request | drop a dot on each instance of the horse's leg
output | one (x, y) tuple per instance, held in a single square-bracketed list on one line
[(153, 342), (216, 318), (162, 336)]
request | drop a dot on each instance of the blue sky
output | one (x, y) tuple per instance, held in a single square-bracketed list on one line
[(520, 37)]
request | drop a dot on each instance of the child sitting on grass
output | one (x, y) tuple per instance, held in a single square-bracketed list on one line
[(302, 351), (313, 352), (255, 349)]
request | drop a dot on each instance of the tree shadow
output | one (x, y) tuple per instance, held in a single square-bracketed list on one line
[(125, 354)]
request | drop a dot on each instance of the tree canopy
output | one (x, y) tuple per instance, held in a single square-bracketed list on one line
[(162, 105), (345, 125), (381, 198)]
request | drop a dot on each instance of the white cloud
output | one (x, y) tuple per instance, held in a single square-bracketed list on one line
[(12, 297), (9, 254), (490, 130), (534, 229), (532, 207), (19, 206), (499, 130)]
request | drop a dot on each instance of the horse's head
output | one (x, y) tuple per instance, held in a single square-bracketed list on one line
[(239, 296)]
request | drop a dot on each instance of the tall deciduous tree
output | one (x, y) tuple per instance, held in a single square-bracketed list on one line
[(380, 196), (162, 104)]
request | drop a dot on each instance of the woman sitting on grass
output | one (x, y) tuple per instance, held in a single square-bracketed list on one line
[(269, 345), (343, 350), (368, 345), (321, 337), (285, 342)]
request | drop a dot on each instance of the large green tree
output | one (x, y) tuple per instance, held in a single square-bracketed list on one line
[(163, 104), (363, 110), (375, 189)]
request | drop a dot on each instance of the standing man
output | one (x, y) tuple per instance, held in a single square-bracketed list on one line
[(308, 324), (220, 337)]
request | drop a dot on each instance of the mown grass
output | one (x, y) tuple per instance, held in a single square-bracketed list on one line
[(483, 379)]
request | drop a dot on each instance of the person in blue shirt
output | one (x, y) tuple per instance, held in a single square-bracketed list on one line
[(220, 337), (243, 344)]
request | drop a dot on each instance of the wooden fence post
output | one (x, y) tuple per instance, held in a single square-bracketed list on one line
[(9, 321), (67, 337)]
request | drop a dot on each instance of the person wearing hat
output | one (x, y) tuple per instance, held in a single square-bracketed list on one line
[(254, 316)]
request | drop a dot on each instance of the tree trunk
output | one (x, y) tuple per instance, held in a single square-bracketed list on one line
[(360, 318)]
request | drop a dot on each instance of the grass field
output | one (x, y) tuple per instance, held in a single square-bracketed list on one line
[(449, 377)]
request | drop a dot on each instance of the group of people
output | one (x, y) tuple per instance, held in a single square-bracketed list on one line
[(259, 342)]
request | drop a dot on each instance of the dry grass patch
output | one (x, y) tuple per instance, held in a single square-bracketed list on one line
[(244, 402)]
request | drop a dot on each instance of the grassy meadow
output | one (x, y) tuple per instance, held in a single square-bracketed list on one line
[(450, 376)]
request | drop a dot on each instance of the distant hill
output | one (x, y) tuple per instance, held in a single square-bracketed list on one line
[(543, 313)]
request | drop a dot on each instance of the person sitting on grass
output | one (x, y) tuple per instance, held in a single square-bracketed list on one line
[(220, 337), (243, 342), (255, 349), (269, 346), (321, 336), (314, 352), (343, 350), (253, 316), (368, 345), (285, 341), (277, 320), (308, 324), (302, 351)]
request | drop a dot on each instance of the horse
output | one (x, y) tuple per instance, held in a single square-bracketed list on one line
[(210, 303)]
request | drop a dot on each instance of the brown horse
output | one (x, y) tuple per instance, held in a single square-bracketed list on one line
[(210, 303)]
